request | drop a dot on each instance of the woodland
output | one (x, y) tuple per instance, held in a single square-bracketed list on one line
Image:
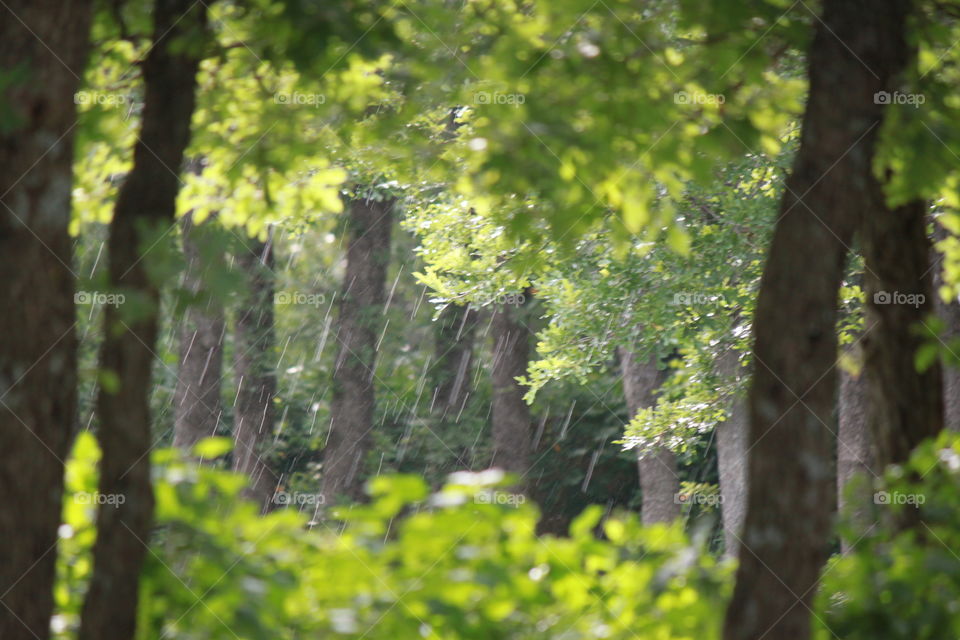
[(480, 319)]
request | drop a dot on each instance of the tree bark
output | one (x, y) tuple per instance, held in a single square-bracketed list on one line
[(855, 53), (510, 413), (456, 331), (254, 369), (657, 467), (196, 400), (38, 360), (369, 225), (144, 211), (855, 456), (732, 435), (904, 406)]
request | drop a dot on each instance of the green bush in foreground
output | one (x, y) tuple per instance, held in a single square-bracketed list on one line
[(466, 563), (901, 581), (461, 563)]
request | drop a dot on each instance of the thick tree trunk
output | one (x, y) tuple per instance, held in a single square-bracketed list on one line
[(512, 436), (254, 370), (144, 211), (949, 313), (370, 223), (38, 361), (855, 455), (659, 483), (904, 406), (732, 435), (456, 330), (196, 400), (855, 53)]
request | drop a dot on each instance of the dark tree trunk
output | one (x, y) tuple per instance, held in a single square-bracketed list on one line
[(38, 361), (144, 211), (369, 225), (855, 53), (659, 483), (512, 436), (732, 435), (254, 369), (456, 330), (904, 406), (855, 455), (196, 400)]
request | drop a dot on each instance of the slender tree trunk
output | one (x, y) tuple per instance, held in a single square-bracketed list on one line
[(456, 331), (361, 308), (196, 400), (904, 406), (254, 369), (512, 423), (38, 361), (855, 455), (659, 483), (856, 52), (144, 212), (949, 313), (732, 435)]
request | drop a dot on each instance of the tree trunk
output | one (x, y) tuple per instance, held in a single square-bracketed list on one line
[(254, 369), (456, 330), (196, 400), (855, 457), (361, 308), (144, 211), (732, 435), (659, 483), (38, 360), (949, 313), (855, 53), (512, 437), (904, 406)]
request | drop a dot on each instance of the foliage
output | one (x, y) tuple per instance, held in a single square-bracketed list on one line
[(902, 582), (464, 562)]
